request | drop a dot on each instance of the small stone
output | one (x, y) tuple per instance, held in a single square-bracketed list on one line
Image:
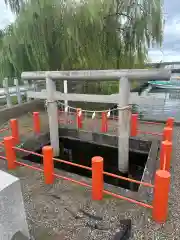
[(125, 231), (19, 236)]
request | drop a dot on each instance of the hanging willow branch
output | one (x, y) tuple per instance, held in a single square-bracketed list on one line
[(88, 34)]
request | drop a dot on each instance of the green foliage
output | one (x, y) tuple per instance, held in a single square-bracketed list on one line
[(86, 34), (15, 100), (135, 109)]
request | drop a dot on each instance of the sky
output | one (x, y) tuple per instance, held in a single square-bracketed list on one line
[(6, 17), (170, 50)]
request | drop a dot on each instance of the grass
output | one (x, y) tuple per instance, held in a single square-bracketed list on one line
[(14, 99), (107, 196)]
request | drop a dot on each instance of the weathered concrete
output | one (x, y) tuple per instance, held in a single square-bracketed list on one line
[(35, 143), (52, 110), (123, 126), (12, 217), (18, 91), (111, 74), (6, 92), (20, 109)]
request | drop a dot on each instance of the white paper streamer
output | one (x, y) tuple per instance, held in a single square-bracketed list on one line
[(93, 116), (108, 114), (80, 112), (66, 109)]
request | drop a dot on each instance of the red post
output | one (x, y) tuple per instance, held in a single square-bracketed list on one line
[(36, 123), (165, 155), (10, 152), (104, 126), (79, 118), (48, 164), (97, 178), (14, 130), (167, 134), (134, 125), (170, 122), (161, 192)]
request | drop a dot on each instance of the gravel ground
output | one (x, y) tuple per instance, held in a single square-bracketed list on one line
[(63, 210)]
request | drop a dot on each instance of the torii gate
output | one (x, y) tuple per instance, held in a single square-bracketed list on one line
[(122, 99)]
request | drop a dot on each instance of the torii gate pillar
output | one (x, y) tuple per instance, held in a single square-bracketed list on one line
[(52, 110), (124, 125)]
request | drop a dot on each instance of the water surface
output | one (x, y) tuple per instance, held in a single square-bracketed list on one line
[(170, 106)]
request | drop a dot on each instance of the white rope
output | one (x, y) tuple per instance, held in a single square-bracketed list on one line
[(96, 111), (93, 116), (93, 112)]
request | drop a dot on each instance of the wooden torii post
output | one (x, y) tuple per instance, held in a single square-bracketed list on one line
[(122, 99)]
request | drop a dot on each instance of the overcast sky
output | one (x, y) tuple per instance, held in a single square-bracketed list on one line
[(171, 46), (6, 16)]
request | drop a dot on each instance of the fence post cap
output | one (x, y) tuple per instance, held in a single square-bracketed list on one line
[(167, 143), (13, 119), (168, 128), (8, 138), (163, 174), (35, 113), (47, 148), (97, 159)]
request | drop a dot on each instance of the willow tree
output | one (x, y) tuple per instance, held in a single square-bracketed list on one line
[(89, 34)]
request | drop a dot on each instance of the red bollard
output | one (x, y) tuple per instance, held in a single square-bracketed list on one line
[(48, 163), (165, 155), (14, 130), (104, 126), (170, 122), (36, 123), (167, 134), (79, 118), (161, 192), (97, 178), (134, 125), (10, 152)]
